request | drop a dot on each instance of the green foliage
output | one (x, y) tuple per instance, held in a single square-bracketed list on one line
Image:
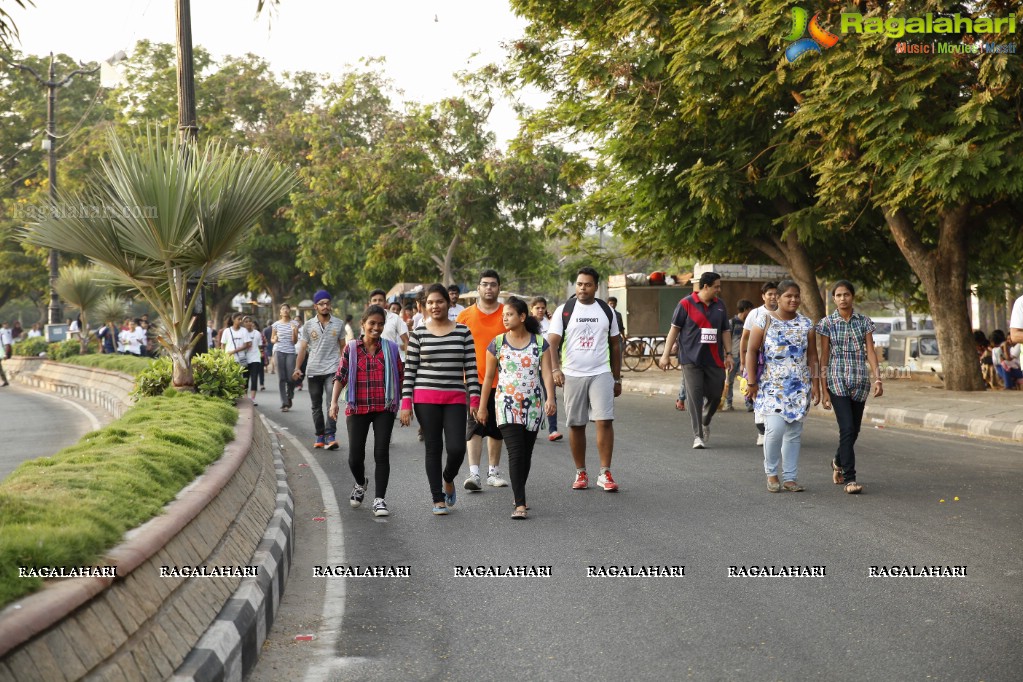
[(126, 364), (31, 347), (67, 510), (63, 349), (218, 375), (153, 380)]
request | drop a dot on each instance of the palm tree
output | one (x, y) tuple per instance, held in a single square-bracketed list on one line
[(82, 288), (165, 216)]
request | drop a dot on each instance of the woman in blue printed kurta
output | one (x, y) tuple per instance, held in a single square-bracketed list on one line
[(787, 386)]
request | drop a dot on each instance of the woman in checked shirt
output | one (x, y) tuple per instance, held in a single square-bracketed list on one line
[(372, 372), (847, 347)]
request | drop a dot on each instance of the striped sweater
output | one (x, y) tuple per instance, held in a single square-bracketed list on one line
[(439, 369)]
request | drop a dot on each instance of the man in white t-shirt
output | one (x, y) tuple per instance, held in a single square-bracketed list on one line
[(395, 329), (589, 367), (1016, 321), (6, 341), (453, 293), (768, 292)]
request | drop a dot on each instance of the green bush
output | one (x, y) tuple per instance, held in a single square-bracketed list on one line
[(63, 349), (126, 364), (154, 380), (216, 375), (31, 347)]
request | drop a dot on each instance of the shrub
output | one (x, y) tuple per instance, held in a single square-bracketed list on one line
[(126, 364), (153, 380), (216, 375), (64, 349), (30, 347)]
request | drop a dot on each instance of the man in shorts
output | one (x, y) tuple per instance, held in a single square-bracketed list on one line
[(587, 359), (485, 319)]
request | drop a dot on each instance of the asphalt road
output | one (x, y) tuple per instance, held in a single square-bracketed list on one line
[(929, 500), (37, 424)]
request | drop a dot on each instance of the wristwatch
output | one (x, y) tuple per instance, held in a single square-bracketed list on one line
[(618, 381)]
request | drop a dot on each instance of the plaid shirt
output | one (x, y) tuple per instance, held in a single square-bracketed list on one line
[(370, 389), (847, 359)]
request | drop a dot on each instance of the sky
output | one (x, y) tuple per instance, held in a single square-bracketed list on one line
[(424, 41)]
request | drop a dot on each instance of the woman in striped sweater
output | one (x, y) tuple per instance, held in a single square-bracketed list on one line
[(440, 370)]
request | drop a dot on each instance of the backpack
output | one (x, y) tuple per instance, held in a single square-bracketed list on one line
[(566, 315)]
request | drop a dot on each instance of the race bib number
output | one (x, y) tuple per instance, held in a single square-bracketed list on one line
[(708, 335)]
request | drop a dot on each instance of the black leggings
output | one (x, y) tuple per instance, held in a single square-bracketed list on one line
[(520, 444), (442, 425), (849, 414), (254, 374), (358, 432)]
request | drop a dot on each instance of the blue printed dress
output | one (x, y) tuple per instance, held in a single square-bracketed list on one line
[(785, 384)]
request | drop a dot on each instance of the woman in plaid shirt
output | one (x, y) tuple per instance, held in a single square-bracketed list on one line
[(372, 372), (847, 347)]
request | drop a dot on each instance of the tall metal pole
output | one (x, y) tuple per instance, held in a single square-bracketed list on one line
[(188, 130), (51, 84), (54, 313)]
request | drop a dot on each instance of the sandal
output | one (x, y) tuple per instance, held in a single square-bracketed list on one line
[(792, 487), (837, 475), (519, 514), (853, 488), (773, 487), (439, 511)]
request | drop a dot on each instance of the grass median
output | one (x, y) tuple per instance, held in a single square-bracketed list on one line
[(128, 364), (68, 509)]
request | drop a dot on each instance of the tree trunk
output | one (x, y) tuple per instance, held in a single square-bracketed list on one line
[(791, 254), (445, 266), (942, 271), (182, 376)]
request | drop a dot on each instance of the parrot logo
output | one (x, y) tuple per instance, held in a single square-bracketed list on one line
[(819, 38)]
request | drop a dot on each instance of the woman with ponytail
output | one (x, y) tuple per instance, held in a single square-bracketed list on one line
[(372, 372), (522, 365)]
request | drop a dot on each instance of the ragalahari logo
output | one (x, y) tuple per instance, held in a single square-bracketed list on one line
[(819, 38)]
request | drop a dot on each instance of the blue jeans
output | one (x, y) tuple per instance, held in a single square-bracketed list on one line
[(781, 444), (552, 421)]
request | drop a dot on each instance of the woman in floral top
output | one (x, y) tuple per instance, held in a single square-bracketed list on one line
[(847, 347), (521, 362), (787, 386)]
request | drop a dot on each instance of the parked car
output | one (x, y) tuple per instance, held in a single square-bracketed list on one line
[(916, 350)]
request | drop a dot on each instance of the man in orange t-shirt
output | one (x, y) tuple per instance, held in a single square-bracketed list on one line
[(485, 320)]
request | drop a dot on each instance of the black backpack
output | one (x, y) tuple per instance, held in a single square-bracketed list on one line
[(566, 314)]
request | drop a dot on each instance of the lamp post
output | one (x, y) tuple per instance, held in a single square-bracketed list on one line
[(51, 84)]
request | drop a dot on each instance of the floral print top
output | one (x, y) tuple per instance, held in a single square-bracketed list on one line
[(518, 398), (785, 384)]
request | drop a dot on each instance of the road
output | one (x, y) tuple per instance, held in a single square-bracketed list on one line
[(928, 501), (37, 424)]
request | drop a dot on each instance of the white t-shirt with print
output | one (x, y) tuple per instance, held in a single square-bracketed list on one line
[(584, 351), (394, 327)]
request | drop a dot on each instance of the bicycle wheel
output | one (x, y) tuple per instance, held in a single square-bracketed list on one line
[(673, 362), (635, 351)]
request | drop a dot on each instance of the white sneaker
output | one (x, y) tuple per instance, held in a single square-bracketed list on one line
[(760, 439), (380, 507), (698, 444), (494, 480), (472, 484)]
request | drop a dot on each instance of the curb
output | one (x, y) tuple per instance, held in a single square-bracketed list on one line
[(230, 648), (994, 429)]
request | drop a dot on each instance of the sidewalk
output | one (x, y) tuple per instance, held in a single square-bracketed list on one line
[(981, 414)]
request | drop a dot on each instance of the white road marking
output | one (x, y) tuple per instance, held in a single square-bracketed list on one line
[(322, 658)]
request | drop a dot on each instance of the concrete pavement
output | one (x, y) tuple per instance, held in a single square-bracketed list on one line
[(906, 402)]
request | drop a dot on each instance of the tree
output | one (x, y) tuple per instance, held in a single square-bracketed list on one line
[(932, 142), (9, 32), (166, 224), (81, 288), (422, 193)]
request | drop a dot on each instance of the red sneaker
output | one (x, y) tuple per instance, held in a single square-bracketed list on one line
[(582, 481), (607, 483)]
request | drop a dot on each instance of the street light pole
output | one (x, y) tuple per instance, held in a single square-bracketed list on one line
[(51, 84)]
